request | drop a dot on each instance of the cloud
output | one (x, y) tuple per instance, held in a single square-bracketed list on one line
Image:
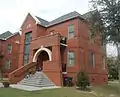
[(13, 12)]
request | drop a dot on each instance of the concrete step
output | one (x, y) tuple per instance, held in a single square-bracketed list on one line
[(38, 85), (39, 79)]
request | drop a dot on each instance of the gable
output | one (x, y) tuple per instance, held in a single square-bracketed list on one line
[(28, 22)]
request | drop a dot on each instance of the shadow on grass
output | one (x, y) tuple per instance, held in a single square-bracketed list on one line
[(84, 89)]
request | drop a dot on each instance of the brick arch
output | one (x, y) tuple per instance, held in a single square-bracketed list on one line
[(39, 51)]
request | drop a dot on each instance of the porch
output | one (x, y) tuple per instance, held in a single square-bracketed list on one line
[(45, 56)]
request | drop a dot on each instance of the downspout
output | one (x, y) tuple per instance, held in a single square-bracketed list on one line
[(118, 56), (78, 42)]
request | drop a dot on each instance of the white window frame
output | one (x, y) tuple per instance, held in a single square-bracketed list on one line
[(8, 64), (68, 58), (73, 32), (10, 49), (93, 60)]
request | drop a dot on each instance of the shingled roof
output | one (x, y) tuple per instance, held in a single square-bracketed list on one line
[(42, 21), (5, 35), (63, 18)]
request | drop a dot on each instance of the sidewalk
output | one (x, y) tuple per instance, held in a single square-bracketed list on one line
[(1, 85), (31, 88)]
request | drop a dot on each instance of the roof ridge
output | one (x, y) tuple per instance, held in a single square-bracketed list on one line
[(12, 35), (65, 17), (5, 35), (60, 19), (66, 14), (42, 19)]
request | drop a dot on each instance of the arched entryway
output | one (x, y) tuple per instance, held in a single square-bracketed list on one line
[(41, 55)]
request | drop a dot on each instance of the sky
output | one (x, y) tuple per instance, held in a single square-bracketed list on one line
[(13, 12), (111, 50)]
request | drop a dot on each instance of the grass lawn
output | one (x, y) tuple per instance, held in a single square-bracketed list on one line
[(110, 90)]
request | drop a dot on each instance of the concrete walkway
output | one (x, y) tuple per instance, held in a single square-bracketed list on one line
[(31, 88), (1, 85)]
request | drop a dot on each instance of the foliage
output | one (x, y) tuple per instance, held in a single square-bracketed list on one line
[(110, 15), (112, 68), (96, 26), (109, 12), (82, 80)]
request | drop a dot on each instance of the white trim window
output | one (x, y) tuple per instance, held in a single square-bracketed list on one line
[(92, 59), (7, 64), (9, 48), (71, 59), (70, 31)]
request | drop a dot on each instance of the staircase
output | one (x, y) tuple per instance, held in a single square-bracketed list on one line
[(39, 79)]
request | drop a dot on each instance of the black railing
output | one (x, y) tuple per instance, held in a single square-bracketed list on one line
[(63, 40), (63, 67)]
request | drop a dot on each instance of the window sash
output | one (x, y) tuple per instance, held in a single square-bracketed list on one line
[(27, 48), (92, 60), (28, 37), (71, 59), (9, 48), (26, 59), (71, 31), (7, 64)]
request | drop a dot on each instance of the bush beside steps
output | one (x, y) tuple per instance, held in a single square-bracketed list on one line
[(83, 81)]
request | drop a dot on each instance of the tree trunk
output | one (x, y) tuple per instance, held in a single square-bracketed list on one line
[(118, 51)]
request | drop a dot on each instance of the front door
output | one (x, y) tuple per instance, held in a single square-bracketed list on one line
[(43, 56)]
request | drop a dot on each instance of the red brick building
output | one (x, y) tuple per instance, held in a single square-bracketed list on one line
[(59, 48), (9, 47)]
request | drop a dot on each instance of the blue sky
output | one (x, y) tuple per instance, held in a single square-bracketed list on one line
[(13, 12)]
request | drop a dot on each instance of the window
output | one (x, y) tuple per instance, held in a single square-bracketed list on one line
[(92, 59), (103, 62), (26, 58), (9, 48), (71, 31), (7, 64), (28, 37), (27, 48), (71, 58)]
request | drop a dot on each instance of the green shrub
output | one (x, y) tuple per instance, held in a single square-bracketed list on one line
[(6, 84), (82, 81)]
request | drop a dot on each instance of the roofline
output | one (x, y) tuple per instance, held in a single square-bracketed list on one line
[(61, 22), (2, 39), (39, 23), (67, 20), (35, 18), (11, 36)]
